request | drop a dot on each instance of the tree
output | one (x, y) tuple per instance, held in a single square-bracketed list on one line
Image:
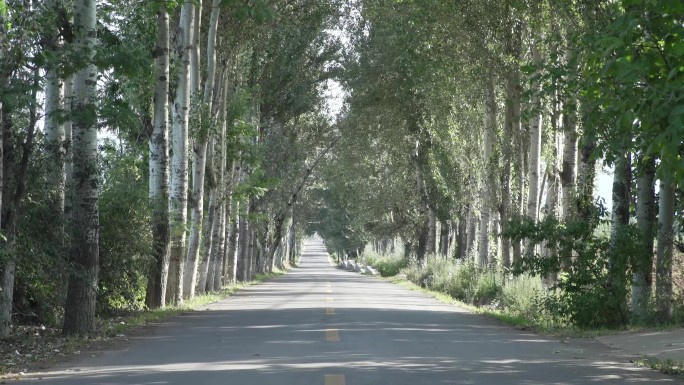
[(159, 165), (178, 199), (79, 312)]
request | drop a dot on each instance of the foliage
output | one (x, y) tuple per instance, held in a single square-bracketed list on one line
[(387, 265), (41, 263), (589, 272), (632, 81), (125, 238), (462, 280)]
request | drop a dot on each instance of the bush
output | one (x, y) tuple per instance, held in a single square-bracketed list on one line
[(592, 270), (125, 237), (462, 280), (521, 296), (387, 265)]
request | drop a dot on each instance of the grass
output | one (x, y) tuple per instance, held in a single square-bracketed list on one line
[(515, 301), (387, 265), (38, 345), (514, 319), (668, 366)]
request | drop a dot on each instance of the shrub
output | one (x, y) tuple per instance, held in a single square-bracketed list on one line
[(388, 265), (125, 238), (592, 289), (462, 280)]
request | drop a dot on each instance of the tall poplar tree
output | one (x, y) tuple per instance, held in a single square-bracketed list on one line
[(79, 311)]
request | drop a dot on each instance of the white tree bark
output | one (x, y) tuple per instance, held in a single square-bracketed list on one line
[(68, 152), (195, 67), (642, 280), (665, 248), (200, 154), (219, 228), (158, 167), (54, 129), (178, 200), (569, 171), (535, 150), (203, 262), (232, 244), (79, 311), (489, 169)]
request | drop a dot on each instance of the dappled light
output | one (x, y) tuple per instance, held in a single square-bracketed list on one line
[(386, 335)]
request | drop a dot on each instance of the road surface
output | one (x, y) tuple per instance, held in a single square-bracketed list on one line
[(321, 326)]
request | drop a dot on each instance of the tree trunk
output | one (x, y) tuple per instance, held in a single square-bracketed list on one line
[(68, 156), (204, 266), (232, 242), (550, 211), (444, 233), (219, 228), (666, 210), (54, 128), (8, 222), (504, 212), (159, 165), (535, 160), (243, 249), (642, 278), (462, 239), (432, 232), (487, 193), (7, 268), (253, 253), (199, 162), (293, 242), (179, 164), (218, 248), (519, 160), (585, 181), (569, 171), (622, 180), (195, 67), (79, 311), (471, 250)]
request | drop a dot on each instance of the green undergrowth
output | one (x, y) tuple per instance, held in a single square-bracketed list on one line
[(516, 301), (538, 323), (668, 366), (387, 265)]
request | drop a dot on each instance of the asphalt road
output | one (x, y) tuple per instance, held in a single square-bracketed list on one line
[(321, 326)]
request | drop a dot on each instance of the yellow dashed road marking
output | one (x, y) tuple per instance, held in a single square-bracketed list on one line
[(329, 290), (329, 299), (332, 335), (334, 379), (330, 311)]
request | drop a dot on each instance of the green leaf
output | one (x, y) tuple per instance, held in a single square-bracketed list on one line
[(677, 114)]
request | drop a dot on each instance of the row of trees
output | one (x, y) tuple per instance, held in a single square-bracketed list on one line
[(176, 138), (474, 129)]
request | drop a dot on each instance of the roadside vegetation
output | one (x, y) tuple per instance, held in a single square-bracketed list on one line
[(35, 346)]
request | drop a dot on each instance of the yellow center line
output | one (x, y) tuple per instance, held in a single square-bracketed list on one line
[(332, 335), (334, 379), (330, 311), (329, 291), (329, 299)]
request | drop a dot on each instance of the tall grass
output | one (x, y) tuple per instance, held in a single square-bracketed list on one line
[(388, 265), (516, 297)]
